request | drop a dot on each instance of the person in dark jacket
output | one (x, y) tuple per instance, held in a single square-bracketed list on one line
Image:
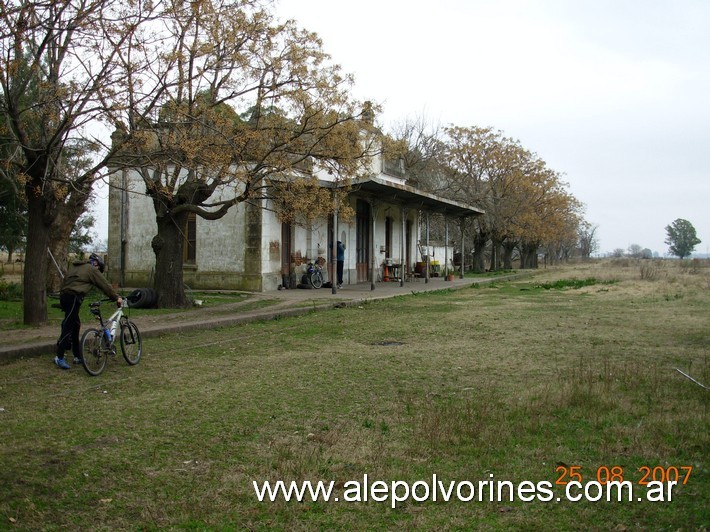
[(341, 262), (81, 277)]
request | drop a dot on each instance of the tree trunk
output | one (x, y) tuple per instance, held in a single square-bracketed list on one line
[(168, 247), (495, 249), (528, 256), (508, 249), (479, 247), (35, 276)]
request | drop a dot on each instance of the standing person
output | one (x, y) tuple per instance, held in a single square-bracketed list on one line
[(81, 277), (341, 262)]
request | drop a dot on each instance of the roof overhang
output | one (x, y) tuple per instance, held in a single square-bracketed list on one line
[(411, 197)]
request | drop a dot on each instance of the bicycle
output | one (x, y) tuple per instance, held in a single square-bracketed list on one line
[(314, 274), (98, 344)]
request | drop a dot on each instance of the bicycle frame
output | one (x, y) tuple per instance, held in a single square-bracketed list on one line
[(117, 316), (314, 267), (98, 344)]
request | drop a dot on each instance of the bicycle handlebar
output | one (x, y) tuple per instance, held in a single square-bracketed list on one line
[(97, 304)]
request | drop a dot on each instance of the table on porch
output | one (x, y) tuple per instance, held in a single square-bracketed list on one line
[(391, 272)]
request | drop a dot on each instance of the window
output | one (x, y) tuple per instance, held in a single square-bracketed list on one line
[(189, 253), (394, 167)]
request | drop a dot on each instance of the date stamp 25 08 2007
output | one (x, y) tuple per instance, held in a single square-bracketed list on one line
[(605, 474)]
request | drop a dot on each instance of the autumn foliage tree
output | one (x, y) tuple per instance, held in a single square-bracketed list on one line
[(550, 216), (468, 156), (250, 109), (170, 78), (526, 203)]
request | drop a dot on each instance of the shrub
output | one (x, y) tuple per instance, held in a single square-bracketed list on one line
[(10, 291), (650, 270)]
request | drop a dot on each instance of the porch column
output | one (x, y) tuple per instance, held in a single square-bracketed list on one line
[(373, 255), (446, 247), (334, 250), (463, 243), (124, 226), (428, 255), (403, 214)]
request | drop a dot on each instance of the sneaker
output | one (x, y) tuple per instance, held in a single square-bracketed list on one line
[(77, 360), (61, 363)]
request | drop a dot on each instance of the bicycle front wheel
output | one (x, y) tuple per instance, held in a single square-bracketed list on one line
[(93, 353), (131, 343), (316, 279)]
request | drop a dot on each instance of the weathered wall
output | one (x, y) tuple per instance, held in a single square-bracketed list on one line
[(223, 261), (243, 249)]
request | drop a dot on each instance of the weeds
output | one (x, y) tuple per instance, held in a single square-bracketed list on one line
[(484, 385), (10, 291), (650, 270)]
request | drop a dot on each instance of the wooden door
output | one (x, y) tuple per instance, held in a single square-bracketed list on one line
[(362, 240)]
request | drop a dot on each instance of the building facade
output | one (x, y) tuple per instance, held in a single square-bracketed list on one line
[(251, 249)]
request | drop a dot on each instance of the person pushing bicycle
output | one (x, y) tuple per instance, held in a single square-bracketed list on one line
[(81, 277)]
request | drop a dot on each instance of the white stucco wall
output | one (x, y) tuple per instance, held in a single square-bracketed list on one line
[(222, 245), (142, 226)]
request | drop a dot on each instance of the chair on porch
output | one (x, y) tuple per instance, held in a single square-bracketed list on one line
[(410, 274)]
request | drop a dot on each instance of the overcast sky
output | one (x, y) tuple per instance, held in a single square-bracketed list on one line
[(614, 94)]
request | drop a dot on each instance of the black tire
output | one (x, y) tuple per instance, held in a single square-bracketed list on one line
[(152, 298), (142, 298), (131, 343), (93, 352), (316, 279)]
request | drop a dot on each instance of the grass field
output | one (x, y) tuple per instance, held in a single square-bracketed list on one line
[(572, 371)]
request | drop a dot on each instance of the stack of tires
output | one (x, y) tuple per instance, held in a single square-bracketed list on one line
[(143, 298)]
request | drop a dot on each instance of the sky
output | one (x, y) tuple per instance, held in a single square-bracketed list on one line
[(613, 94)]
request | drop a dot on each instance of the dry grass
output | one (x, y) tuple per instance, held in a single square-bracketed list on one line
[(510, 380)]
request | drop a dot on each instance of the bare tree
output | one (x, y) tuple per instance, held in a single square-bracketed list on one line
[(422, 152), (635, 251), (61, 71), (587, 236)]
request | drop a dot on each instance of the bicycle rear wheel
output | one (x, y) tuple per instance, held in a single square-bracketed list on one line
[(316, 279), (93, 354), (131, 343)]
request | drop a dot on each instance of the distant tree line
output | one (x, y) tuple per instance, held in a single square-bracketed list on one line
[(528, 207)]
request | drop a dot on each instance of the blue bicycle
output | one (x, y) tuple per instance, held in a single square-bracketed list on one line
[(314, 274)]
